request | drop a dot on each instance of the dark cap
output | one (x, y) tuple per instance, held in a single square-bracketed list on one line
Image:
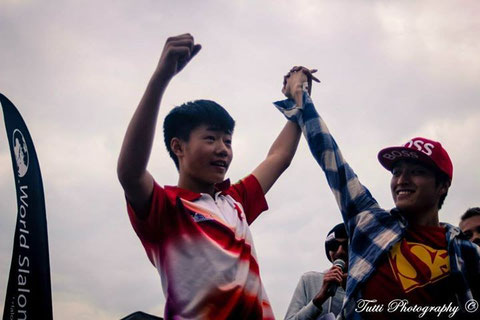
[(338, 232)]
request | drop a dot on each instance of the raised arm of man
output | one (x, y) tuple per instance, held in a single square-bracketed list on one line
[(356, 204), (132, 172), (352, 197)]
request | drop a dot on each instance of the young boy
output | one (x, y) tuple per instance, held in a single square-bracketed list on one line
[(403, 264), (196, 234)]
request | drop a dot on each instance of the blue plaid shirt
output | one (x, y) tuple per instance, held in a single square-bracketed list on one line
[(372, 230)]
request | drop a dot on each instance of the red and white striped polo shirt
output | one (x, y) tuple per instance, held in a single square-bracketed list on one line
[(203, 250)]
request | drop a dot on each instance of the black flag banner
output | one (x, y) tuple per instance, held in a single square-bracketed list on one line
[(29, 294)]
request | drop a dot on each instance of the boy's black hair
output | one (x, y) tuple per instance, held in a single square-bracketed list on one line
[(472, 212), (181, 120)]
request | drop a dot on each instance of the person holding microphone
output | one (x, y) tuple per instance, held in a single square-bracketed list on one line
[(320, 293)]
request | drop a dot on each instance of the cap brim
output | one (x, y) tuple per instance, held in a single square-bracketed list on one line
[(388, 156)]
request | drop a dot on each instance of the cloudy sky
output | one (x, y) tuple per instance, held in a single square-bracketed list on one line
[(390, 71)]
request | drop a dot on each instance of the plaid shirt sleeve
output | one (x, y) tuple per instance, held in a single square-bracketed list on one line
[(351, 196)]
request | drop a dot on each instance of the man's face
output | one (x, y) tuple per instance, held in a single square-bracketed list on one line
[(471, 228), (338, 249), (413, 187), (206, 156)]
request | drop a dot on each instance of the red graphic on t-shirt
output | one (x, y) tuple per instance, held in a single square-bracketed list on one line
[(416, 265)]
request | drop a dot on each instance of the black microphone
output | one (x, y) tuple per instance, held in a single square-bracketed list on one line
[(332, 287)]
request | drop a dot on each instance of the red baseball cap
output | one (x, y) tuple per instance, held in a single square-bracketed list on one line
[(420, 149)]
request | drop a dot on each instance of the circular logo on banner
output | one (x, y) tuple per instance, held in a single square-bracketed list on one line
[(21, 152)]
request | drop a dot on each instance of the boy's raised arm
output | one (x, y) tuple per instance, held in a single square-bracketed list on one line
[(283, 148), (279, 156), (137, 143)]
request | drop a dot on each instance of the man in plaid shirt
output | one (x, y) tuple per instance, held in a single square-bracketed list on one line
[(403, 263)]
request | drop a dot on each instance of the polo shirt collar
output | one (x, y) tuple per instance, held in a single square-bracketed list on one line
[(191, 196)]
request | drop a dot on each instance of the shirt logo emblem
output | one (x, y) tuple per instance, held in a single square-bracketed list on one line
[(416, 265), (198, 213)]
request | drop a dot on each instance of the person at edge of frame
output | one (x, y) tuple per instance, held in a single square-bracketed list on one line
[(470, 224)]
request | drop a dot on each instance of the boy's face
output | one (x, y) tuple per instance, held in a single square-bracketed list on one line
[(206, 156), (471, 228), (414, 188)]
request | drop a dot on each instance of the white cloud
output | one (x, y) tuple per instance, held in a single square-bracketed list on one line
[(76, 71)]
